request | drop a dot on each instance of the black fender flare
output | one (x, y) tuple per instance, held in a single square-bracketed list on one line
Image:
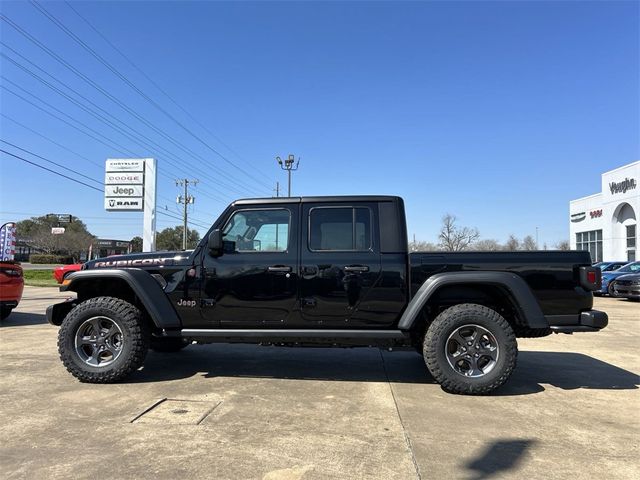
[(520, 295), (144, 286)]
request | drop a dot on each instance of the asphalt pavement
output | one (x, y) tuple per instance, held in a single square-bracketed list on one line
[(249, 412)]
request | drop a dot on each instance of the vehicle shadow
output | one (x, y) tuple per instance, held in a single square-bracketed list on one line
[(21, 319), (498, 458), (564, 370)]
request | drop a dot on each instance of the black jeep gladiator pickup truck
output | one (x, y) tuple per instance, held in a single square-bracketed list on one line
[(332, 271)]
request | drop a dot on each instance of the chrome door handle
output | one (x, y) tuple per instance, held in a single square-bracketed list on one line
[(279, 269), (356, 268)]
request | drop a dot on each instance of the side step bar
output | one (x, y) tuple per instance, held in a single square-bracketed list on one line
[(294, 336)]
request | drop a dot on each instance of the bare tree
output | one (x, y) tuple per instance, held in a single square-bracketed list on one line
[(562, 245), (512, 243), (454, 238), (528, 243), (419, 246), (488, 245)]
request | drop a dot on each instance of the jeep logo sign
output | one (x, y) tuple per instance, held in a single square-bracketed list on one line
[(124, 190)]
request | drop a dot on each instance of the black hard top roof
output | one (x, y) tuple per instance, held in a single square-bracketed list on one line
[(321, 199)]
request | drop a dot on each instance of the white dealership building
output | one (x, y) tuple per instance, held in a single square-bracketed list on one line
[(605, 223)]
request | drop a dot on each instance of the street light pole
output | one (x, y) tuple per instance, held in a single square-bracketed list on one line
[(287, 165)]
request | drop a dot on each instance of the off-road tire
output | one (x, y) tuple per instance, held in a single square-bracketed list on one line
[(435, 344), (167, 344), (135, 339), (5, 312)]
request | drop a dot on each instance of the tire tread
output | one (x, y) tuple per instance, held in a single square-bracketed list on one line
[(444, 321), (139, 337)]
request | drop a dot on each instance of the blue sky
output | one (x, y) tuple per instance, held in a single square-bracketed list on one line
[(497, 112)]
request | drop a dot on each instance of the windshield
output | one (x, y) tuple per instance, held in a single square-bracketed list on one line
[(630, 268)]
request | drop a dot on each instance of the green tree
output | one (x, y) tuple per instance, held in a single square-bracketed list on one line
[(171, 238), (36, 232), (136, 244)]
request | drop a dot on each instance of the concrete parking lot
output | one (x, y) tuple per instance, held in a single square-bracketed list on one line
[(244, 412)]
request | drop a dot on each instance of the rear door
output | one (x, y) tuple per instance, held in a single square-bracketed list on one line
[(340, 264)]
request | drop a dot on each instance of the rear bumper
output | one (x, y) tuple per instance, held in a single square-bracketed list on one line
[(9, 304), (588, 321)]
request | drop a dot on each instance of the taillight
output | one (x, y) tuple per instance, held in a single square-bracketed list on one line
[(11, 272), (590, 278)]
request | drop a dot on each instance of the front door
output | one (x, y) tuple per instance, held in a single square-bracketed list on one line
[(254, 283), (340, 264)]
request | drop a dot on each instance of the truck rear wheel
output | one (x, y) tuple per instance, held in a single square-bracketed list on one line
[(102, 340), (470, 349)]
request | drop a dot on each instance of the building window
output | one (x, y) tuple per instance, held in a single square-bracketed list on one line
[(591, 242), (631, 236), (631, 243)]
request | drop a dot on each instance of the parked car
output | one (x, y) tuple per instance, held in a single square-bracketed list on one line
[(324, 271), (60, 273), (609, 266), (11, 287), (628, 286), (608, 278)]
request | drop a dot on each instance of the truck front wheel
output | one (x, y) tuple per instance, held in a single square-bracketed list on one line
[(470, 349), (102, 340)]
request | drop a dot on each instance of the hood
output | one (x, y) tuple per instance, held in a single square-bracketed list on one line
[(141, 260), (630, 277)]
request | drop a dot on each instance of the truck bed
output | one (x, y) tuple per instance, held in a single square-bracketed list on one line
[(552, 275)]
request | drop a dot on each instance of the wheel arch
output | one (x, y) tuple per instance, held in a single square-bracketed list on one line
[(495, 288), (132, 285)]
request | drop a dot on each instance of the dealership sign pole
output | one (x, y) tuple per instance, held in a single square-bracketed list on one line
[(130, 185)]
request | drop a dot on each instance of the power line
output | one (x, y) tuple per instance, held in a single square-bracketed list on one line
[(52, 162), (50, 140), (104, 92), (145, 144), (122, 77), (150, 80), (100, 117), (52, 171)]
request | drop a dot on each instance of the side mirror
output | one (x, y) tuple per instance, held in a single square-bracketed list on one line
[(215, 243)]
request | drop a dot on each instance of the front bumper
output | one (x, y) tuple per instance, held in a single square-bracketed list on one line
[(55, 313), (588, 321), (629, 291)]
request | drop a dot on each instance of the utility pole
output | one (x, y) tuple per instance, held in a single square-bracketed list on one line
[(288, 166), (185, 200), (277, 189), (537, 247)]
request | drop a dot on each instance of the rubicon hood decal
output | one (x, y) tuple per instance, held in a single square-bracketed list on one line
[(139, 262)]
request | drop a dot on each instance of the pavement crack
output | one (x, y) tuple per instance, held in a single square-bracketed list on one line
[(407, 439)]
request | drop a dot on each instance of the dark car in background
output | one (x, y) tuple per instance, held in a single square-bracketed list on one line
[(609, 278), (628, 286)]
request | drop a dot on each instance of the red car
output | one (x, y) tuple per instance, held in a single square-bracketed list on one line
[(60, 273), (11, 287)]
